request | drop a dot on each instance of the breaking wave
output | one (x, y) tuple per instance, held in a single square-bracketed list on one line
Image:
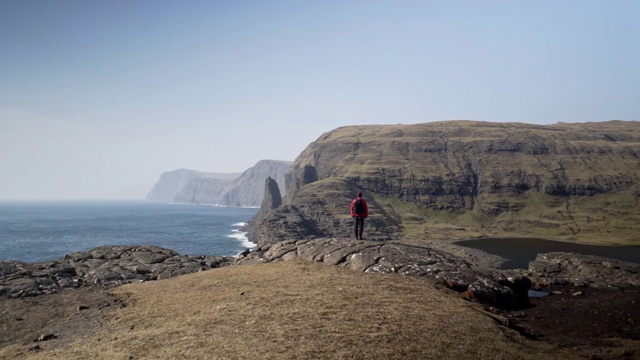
[(241, 237)]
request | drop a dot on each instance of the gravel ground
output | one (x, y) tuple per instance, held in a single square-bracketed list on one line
[(601, 323)]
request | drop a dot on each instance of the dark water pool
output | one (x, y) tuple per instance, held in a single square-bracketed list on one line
[(520, 251)]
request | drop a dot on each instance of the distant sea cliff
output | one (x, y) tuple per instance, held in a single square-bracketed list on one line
[(224, 189)]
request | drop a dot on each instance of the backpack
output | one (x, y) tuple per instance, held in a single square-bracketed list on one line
[(358, 208)]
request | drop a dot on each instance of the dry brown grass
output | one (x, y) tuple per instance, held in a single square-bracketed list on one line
[(294, 310)]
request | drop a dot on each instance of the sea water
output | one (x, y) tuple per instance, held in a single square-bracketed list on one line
[(33, 231)]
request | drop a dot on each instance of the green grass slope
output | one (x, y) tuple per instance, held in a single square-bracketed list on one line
[(460, 179)]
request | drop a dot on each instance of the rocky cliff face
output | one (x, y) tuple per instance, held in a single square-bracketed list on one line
[(248, 188), (271, 200), (172, 183), (233, 189), (460, 179), (203, 191)]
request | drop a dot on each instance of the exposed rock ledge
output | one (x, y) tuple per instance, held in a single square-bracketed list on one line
[(501, 288), (115, 265), (558, 268), (104, 266)]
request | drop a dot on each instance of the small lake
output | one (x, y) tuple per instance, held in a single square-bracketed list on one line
[(519, 252)]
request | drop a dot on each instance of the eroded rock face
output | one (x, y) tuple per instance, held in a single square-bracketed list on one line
[(272, 198), (505, 289), (103, 266)]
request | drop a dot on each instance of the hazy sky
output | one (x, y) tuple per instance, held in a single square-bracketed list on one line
[(98, 98)]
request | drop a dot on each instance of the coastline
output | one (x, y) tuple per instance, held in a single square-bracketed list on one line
[(213, 205)]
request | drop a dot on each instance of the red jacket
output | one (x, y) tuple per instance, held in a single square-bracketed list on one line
[(364, 206)]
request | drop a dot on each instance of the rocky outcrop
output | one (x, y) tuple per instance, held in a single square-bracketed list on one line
[(248, 190), (172, 183), (271, 225), (104, 266), (461, 179), (320, 211), (560, 268), (505, 289), (271, 199)]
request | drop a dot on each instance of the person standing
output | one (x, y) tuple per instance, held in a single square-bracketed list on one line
[(359, 211)]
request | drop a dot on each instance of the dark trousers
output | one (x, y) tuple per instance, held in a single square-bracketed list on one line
[(359, 226)]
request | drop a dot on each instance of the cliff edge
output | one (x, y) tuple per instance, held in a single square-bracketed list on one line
[(248, 188), (172, 184), (461, 179), (225, 189)]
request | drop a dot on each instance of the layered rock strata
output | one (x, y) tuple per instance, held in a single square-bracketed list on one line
[(461, 179)]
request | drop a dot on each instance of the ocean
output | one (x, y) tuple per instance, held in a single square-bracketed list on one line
[(33, 231)]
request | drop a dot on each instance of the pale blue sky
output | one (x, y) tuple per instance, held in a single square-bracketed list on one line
[(97, 98)]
